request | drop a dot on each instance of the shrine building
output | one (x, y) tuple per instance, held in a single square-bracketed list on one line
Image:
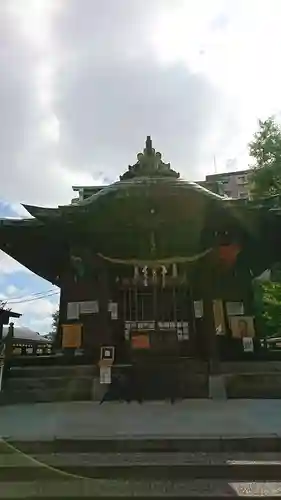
[(159, 268)]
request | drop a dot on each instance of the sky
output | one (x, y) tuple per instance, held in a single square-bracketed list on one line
[(83, 82)]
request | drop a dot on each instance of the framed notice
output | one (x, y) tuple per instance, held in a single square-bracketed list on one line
[(140, 341), (107, 354), (235, 308), (198, 309), (242, 326), (89, 307), (72, 336), (113, 310), (72, 310)]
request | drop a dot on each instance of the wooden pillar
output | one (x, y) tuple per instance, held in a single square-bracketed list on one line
[(216, 380), (57, 341), (104, 298), (1, 332), (210, 336)]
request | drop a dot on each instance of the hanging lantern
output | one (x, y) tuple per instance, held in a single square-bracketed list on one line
[(163, 272), (145, 275), (228, 253), (136, 273), (174, 271)]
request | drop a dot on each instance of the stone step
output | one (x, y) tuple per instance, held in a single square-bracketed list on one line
[(48, 395), (172, 474), (142, 444), (139, 466), (26, 383), (78, 489), (51, 371), (238, 472)]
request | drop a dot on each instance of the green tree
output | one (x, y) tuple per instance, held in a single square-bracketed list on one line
[(55, 323), (265, 149), (271, 307)]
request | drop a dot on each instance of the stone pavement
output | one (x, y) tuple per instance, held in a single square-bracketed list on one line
[(32, 467), (190, 418)]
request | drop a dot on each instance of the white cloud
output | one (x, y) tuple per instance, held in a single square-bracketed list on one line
[(11, 291), (10, 266), (36, 310), (17, 209), (81, 88), (37, 314)]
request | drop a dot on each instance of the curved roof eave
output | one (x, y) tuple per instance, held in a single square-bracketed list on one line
[(19, 222), (39, 212), (39, 258), (135, 183)]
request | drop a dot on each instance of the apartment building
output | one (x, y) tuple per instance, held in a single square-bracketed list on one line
[(233, 184), (84, 192)]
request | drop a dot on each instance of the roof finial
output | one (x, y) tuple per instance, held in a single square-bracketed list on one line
[(149, 164), (148, 145)]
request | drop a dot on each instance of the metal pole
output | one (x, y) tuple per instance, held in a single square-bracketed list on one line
[(1, 374)]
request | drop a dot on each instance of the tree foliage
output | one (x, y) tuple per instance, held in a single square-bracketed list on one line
[(55, 323), (265, 149), (271, 307)]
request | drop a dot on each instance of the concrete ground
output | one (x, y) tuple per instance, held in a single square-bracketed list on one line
[(190, 418), (47, 474)]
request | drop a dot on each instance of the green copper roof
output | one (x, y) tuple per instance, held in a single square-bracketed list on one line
[(150, 209), (149, 173)]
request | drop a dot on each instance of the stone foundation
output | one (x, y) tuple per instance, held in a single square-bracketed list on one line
[(186, 379), (255, 379)]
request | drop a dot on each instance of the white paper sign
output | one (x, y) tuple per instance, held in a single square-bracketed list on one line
[(113, 309), (17, 350), (219, 330), (89, 307), (127, 334), (73, 310), (248, 344), (105, 375), (235, 308), (185, 331), (198, 309)]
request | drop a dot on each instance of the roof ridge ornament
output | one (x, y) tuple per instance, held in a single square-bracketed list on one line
[(149, 164)]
